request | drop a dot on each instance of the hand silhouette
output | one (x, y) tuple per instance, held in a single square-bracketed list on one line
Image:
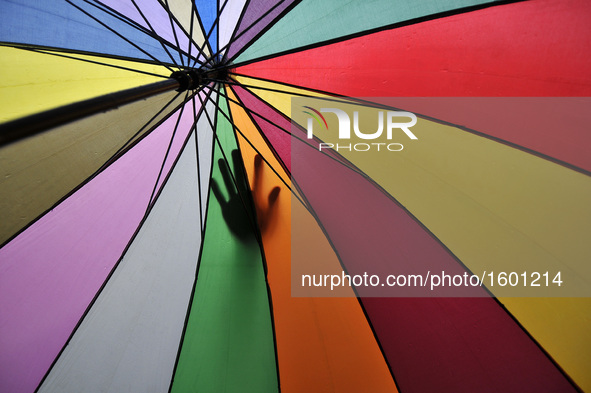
[(233, 209)]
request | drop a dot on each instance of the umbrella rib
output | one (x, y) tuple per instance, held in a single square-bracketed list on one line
[(329, 240), (176, 40), (250, 143), (253, 24), (238, 188), (213, 25), (116, 14), (217, 21), (46, 52), (257, 230), (454, 257), (460, 127), (188, 311), (126, 146), (507, 143), (115, 266), (120, 36), (218, 53), (255, 149), (189, 35), (197, 115), (251, 117), (198, 162), (392, 198), (215, 104), (83, 52), (287, 9), (337, 98), (174, 131), (154, 31), (188, 98), (352, 167), (426, 18), (306, 204), (244, 175), (262, 251), (334, 97), (200, 47), (239, 102), (259, 235), (417, 221), (198, 265)]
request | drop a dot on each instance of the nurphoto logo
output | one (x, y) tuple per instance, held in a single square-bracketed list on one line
[(395, 120)]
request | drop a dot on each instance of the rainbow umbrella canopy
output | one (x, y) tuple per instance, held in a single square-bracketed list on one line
[(152, 180)]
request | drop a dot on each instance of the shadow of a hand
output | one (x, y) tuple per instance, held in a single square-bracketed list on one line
[(233, 208)]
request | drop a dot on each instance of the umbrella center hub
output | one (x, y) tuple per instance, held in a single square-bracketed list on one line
[(195, 78)]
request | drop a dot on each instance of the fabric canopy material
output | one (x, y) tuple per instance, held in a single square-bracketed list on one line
[(158, 184)]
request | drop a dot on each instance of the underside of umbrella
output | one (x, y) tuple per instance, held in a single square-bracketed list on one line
[(162, 196)]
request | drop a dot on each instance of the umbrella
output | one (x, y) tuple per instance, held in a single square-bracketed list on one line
[(121, 271)]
